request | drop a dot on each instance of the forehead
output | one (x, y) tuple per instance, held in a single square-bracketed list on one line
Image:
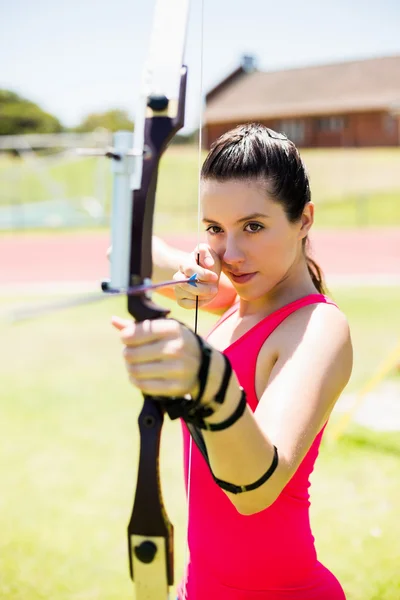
[(235, 198), (232, 187)]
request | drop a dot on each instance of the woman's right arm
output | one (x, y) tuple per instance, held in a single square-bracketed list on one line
[(214, 289)]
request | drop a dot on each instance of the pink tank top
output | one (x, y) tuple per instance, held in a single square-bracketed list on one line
[(266, 556)]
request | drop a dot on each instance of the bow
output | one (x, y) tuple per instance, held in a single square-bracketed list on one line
[(135, 160)]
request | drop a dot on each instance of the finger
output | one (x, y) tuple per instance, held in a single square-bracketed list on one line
[(201, 289), (190, 268), (149, 331), (162, 386), (169, 369), (119, 323), (157, 352), (205, 257), (203, 275), (189, 303)]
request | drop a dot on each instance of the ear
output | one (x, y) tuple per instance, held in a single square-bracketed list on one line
[(306, 220)]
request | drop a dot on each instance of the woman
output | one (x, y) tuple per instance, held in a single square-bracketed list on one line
[(289, 346)]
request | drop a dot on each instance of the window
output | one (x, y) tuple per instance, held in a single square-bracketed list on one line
[(331, 124), (390, 124), (294, 129)]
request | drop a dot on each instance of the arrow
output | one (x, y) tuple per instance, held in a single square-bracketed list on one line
[(140, 289), (32, 312)]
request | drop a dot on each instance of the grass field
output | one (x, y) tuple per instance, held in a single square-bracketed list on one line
[(351, 187), (69, 447)]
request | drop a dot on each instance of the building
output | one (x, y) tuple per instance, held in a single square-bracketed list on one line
[(353, 104)]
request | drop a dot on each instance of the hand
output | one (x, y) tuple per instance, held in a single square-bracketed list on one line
[(162, 356), (208, 271)]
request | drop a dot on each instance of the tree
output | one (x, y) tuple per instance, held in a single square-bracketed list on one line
[(113, 120), (18, 115)]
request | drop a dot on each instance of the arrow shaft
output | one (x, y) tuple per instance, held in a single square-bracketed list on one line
[(41, 310)]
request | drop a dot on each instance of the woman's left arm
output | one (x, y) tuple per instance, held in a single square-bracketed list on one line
[(313, 365)]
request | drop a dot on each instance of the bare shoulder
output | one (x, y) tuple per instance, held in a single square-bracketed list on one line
[(314, 339), (316, 324), (318, 333)]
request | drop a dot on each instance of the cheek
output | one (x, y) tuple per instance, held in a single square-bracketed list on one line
[(216, 244), (289, 248), (279, 247)]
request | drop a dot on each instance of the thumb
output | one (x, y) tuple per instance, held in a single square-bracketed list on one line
[(119, 323)]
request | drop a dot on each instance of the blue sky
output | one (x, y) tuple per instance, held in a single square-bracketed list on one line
[(83, 56)]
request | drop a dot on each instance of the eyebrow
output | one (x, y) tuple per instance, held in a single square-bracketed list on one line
[(247, 218)]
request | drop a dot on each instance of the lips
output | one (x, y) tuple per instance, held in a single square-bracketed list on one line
[(241, 277)]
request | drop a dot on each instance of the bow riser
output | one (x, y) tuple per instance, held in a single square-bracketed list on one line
[(150, 532), (159, 131)]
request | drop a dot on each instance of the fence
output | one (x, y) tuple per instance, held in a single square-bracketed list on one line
[(46, 184), (56, 188)]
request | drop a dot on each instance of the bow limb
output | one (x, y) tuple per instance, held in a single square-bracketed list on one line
[(160, 115)]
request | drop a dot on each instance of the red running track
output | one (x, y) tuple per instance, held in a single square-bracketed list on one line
[(81, 257)]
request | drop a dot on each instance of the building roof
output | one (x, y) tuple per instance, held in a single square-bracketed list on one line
[(362, 85)]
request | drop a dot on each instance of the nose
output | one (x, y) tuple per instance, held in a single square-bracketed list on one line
[(232, 252)]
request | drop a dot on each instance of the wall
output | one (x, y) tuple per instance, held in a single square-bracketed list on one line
[(351, 130)]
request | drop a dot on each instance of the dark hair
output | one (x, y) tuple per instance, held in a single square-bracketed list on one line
[(255, 151)]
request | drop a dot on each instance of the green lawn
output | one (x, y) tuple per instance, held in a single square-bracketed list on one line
[(68, 456), (375, 209), (349, 186)]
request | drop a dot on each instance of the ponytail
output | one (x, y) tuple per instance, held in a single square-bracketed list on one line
[(315, 270)]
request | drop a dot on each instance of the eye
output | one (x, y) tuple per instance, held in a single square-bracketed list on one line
[(253, 227), (213, 229)]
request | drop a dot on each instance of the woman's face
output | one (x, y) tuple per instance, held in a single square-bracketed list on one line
[(258, 247)]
